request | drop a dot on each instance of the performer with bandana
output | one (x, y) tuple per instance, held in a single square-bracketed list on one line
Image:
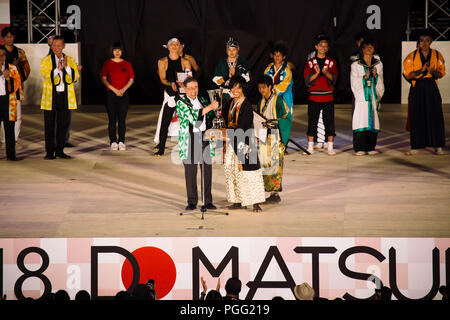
[(423, 67), (271, 152), (168, 69), (366, 79), (243, 175), (281, 74), (232, 65)]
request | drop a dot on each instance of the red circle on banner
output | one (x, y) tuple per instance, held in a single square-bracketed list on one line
[(155, 264)]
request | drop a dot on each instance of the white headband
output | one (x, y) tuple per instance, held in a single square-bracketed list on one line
[(170, 41)]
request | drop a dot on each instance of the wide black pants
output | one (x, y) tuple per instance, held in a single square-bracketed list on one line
[(364, 141), (59, 116), (10, 140), (426, 117), (198, 154), (117, 108), (165, 123)]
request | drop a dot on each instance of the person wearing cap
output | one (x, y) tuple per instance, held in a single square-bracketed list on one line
[(117, 75), (304, 292), (18, 58), (59, 72), (169, 70), (423, 67), (231, 65)]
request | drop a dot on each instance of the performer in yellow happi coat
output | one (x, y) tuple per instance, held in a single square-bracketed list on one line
[(60, 72)]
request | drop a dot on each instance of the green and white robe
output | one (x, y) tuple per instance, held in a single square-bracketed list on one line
[(367, 93), (188, 115)]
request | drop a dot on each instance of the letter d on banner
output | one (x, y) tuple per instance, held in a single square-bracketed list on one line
[(111, 249)]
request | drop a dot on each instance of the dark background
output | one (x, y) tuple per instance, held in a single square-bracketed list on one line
[(143, 26)]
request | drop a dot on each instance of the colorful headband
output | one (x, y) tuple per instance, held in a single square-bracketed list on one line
[(170, 41)]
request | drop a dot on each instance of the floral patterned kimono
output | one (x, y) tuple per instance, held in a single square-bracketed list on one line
[(271, 152)]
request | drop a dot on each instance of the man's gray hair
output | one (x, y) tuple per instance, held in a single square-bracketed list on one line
[(189, 80)]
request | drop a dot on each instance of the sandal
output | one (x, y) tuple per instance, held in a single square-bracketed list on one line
[(412, 152), (257, 208), (235, 206)]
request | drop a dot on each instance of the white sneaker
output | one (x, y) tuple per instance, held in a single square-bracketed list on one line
[(439, 151), (373, 152), (318, 146), (310, 150), (360, 153), (122, 146), (331, 152), (114, 146)]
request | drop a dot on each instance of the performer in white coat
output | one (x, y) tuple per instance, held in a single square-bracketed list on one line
[(366, 80)]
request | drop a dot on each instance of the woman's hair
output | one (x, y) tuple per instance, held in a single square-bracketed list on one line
[(116, 45), (240, 81)]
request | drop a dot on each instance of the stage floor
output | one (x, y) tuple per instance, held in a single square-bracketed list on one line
[(100, 193)]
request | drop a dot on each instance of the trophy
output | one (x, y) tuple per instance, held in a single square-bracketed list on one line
[(218, 130), (216, 94)]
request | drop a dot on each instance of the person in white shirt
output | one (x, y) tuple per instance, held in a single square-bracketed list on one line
[(60, 72), (193, 112)]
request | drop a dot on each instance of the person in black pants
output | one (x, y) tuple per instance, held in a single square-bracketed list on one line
[(168, 69), (59, 72), (193, 149), (117, 76), (9, 84)]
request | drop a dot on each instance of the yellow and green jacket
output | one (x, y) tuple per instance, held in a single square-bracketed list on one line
[(48, 64)]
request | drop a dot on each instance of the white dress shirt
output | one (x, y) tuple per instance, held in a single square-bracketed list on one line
[(56, 72)]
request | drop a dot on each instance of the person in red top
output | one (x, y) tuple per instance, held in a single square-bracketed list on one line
[(320, 75), (117, 76)]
